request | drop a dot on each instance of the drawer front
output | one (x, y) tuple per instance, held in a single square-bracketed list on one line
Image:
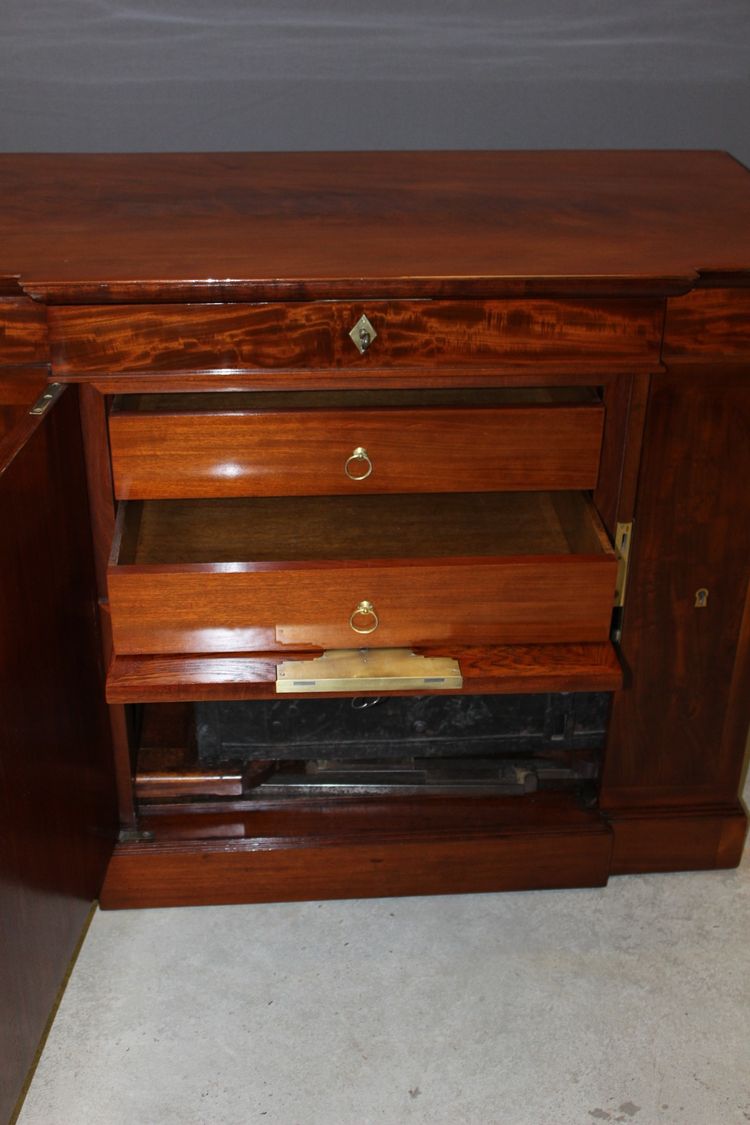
[(247, 575), (415, 335), (241, 608), (325, 452)]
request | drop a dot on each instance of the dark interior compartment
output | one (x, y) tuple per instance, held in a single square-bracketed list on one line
[(426, 726), (289, 748)]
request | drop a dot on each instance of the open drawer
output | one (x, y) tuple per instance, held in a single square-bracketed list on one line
[(350, 442), (242, 575)]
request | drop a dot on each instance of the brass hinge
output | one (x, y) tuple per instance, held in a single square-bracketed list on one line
[(43, 403), (623, 538)]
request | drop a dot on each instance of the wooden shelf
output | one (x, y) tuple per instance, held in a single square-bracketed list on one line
[(503, 668)]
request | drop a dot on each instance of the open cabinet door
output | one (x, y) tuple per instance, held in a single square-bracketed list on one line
[(57, 799)]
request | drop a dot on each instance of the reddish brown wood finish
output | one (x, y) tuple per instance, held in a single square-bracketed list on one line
[(338, 529), (23, 332), (632, 447), (123, 756), (673, 736), (270, 226), (677, 839), (19, 388), (99, 479), (491, 270), (236, 607), (427, 846), (381, 379), (57, 802), (502, 594), (312, 452), (511, 668), (411, 335), (625, 404), (708, 324)]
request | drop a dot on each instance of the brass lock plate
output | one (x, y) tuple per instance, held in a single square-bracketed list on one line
[(362, 334), (364, 670)]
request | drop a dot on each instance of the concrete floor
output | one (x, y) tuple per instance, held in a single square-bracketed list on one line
[(627, 1004)]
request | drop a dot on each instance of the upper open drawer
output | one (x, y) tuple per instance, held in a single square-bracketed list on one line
[(317, 443)]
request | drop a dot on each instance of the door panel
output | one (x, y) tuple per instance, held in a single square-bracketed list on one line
[(677, 732), (57, 800)]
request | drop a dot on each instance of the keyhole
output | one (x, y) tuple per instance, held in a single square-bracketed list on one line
[(701, 598)]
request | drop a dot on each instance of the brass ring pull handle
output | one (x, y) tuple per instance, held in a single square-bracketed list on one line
[(366, 610), (358, 465)]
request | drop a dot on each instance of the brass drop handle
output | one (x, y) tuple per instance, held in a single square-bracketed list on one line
[(358, 465), (365, 610)]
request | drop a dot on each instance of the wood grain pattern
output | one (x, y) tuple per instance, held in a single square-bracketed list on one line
[(302, 453), (295, 226), (363, 849), (625, 403), (20, 387), (57, 802), (181, 273), (23, 332), (251, 531), (99, 479), (197, 875), (708, 323), (412, 335), (685, 663), (196, 609), (511, 668), (677, 839), (632, 446)]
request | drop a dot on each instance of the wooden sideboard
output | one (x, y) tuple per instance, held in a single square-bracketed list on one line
[(493, 407)]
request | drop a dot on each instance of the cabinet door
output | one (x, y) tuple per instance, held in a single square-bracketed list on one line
[(57, 800), (677, 731)]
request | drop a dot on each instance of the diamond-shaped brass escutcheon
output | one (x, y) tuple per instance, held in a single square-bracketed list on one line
[(362, 334)]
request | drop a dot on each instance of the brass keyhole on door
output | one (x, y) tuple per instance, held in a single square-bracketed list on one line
[(701, 598)]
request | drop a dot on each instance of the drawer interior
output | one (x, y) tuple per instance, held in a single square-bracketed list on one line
[(291, 529), (231, 401)]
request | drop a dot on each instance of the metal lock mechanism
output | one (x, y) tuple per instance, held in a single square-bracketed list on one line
[(362, 334)]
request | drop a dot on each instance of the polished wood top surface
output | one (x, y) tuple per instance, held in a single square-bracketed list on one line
[(230, 226)]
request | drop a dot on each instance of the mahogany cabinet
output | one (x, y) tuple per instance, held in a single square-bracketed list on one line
[(492, 409)]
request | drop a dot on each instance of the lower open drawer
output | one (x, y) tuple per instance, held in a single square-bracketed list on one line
[(243, 575)]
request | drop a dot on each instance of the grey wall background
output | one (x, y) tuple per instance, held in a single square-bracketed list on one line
[(103, 75)]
